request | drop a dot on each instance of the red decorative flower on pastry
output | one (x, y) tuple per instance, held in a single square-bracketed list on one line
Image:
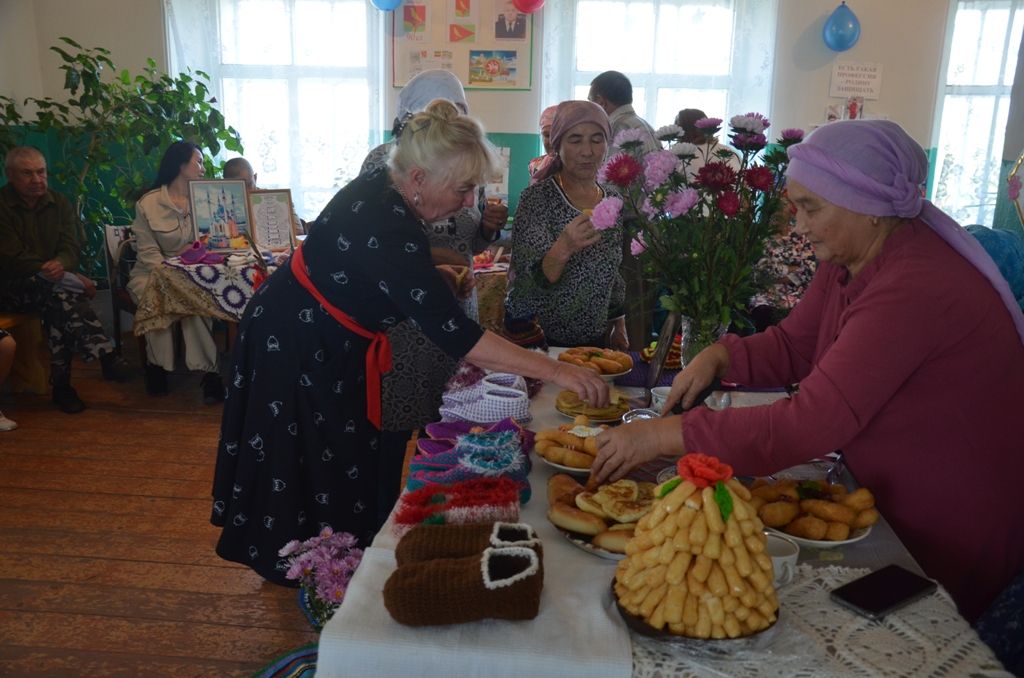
[(702, 470)]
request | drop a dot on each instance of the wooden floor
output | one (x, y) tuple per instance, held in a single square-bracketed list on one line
[(107, 563)]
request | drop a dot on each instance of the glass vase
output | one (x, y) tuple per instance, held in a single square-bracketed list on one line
[(697, 335)]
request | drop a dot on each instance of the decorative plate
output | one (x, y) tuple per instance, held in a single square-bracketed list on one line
[(581, 543), (855, 536)]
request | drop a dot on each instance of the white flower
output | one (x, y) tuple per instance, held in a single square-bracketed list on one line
[(749, 123), (684, 150), (668, 133)]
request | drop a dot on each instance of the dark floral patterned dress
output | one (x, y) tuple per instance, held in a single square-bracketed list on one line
[(297, 451), (781, 277), (575, 310)]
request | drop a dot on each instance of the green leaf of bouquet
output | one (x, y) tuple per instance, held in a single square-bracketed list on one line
[(724, 500), (668, 486)]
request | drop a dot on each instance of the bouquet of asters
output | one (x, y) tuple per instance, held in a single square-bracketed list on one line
[(323, 565), (700, 214)]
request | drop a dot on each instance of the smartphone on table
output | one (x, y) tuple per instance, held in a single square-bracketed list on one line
[(876, 594)]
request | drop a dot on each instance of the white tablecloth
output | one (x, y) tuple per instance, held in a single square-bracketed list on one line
[(579, 633)]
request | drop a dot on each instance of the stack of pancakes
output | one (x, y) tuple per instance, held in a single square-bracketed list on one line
[(567, 402)]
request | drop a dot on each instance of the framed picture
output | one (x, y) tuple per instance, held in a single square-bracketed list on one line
[(220, 212), (271, 211)]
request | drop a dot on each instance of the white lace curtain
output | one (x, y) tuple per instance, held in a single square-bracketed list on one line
[(981, 60), (299, 79), (716, 55)]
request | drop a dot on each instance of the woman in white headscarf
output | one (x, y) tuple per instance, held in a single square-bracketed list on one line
[(412, 389)]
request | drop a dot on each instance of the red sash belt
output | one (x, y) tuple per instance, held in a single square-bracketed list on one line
[(378, 355)]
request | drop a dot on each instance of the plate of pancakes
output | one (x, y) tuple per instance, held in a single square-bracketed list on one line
[(570, 405)]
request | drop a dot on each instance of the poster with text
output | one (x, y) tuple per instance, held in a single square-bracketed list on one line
[(487, 44)]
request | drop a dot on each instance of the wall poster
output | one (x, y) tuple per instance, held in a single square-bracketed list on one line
[(488, 44)]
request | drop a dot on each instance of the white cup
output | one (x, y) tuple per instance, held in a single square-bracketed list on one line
[(784, 553), (659, 396)]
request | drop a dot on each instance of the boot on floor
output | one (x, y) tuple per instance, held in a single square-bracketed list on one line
[(64, 396)]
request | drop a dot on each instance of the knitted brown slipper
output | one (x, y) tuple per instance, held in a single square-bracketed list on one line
[(501, 583), (430, 542)]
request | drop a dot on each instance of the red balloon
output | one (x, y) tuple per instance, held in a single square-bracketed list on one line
[(528, 6)]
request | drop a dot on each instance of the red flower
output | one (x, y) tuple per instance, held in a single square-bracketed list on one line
[(702, 470), (621, 169), (759, 178), (716, 176), (729, 203)]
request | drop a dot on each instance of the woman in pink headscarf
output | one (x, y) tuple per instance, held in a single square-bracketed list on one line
[(908, 348), (547, 116), (564, 271)]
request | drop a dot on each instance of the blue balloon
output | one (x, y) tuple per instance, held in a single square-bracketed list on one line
[(386, 5), (842, 29)]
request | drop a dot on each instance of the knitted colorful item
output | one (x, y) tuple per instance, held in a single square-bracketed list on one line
[(500, 583), (484, 500), (478, 463), (441, 455), (430, 542), (451, 430)]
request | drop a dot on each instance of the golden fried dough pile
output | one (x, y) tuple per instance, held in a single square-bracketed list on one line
[(607, 516), (600, 360), (813, 510), (689, 571), (573, 445)]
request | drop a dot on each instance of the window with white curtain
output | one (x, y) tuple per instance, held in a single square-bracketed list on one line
[(981, 58), (715, 55), (299, 79)]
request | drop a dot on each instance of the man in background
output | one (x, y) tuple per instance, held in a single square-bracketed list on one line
[(613, 92), (240, 168), (39, 247)]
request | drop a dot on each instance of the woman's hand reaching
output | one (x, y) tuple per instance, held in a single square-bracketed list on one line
[(460, 279), (583, 382), (623, 448), (710, 363)]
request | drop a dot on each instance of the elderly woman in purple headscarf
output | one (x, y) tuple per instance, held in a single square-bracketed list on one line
[(565, 272), (908, 348)]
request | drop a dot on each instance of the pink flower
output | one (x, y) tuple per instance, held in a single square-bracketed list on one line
[(606, 213), (1014, 187), (729, 203), (629, 138), (658, 167), (621, 169), (753, 123), (716, 176), (680, 202), (746, 141), (759, 178), (637, 246), (708, 123), (792, 135)]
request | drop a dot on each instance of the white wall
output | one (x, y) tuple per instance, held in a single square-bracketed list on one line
[(905, 36), (133, 30)]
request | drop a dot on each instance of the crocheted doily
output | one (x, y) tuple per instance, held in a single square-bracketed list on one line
[(815, 637)]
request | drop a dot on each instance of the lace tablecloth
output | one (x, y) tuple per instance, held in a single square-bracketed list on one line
[(176, 290), (815, 637)]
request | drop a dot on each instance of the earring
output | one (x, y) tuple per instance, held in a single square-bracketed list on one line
[(416, 199)]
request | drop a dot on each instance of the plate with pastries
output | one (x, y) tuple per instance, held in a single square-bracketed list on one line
[(602, 521), (605, 362), (814, 513), (570, 448), (572, 406)]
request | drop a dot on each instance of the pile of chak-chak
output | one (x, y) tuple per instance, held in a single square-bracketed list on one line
[(697, 565)]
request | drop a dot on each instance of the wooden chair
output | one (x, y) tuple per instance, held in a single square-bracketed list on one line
[(28, 374), (120, 249)]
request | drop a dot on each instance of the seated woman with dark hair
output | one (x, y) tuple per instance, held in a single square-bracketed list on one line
[(565, 272), (909, 351), (163, 228)]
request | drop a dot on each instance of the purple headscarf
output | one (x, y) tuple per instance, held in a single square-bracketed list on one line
[(874, 167), (547, 116), (568, 114)]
